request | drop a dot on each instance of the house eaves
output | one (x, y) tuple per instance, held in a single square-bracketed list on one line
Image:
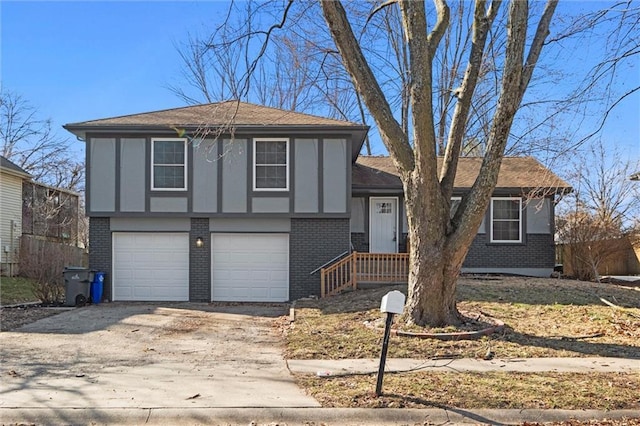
[(13, 169)]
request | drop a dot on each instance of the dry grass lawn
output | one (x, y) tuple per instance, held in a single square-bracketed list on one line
[(500, 390), (543, 318)]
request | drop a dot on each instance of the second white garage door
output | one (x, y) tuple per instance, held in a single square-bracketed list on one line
[(250, 267), (150, 266)]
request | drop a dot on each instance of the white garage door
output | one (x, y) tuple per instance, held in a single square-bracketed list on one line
[(150, 266), (250, 267)]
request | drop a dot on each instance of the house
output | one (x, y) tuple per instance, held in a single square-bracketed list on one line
[(34, 211), (50, 213), (12, 178), (184, 206)]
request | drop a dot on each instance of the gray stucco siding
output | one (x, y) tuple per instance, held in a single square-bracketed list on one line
[(149, 224), (234, 176), (270, 205), (335, 175), (205, 177), (306, 162), (102, 179), (132, 175), (358, 214), (168, 204), (250, 225)]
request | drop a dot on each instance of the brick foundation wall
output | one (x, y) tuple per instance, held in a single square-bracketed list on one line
[(100, 250), (199, 261), (538, 252), (312, 243)]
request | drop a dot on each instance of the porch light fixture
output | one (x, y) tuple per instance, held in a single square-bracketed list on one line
[(199, 242)]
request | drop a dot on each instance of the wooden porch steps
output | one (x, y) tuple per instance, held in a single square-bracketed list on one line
[(366, 269)]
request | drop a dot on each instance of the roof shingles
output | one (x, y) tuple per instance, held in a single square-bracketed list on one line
[(515, 172), (225, 113)]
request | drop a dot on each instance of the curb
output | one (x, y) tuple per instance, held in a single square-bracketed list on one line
[(328, 416)]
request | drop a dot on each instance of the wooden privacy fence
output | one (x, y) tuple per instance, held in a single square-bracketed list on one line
[(387, 268), (38, 256)]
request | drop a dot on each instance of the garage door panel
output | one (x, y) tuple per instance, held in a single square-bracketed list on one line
[(151, 266), (250, 267)]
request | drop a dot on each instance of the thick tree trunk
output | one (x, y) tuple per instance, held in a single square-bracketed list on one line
[(434, 265)]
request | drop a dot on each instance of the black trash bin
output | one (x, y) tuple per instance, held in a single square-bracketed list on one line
[(77, 281)]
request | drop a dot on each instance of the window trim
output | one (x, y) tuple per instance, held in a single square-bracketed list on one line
[(454, 198), (153, 164), (520, 220), (288, 162)]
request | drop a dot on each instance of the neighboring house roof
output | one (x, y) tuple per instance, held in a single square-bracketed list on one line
[(12, 168), (233, 114), (516, 173)]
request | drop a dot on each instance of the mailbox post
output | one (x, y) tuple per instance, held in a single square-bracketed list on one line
[(392, 303)]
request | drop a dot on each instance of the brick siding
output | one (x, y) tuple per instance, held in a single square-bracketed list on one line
[(199, 261), (538, 252), (313, 242), (100, 251)]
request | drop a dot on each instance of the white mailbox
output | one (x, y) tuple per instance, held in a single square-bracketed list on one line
[(392, 302)]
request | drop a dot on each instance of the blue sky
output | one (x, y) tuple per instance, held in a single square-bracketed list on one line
[(82, 60)]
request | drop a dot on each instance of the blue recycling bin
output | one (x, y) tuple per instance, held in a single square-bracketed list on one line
[(96, 287)]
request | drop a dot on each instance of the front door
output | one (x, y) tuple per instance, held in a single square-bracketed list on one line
[(383, 225)]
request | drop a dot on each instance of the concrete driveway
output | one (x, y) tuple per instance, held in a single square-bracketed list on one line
[(134, 355)]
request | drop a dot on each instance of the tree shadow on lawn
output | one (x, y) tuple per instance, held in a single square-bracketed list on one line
[(575, 345)]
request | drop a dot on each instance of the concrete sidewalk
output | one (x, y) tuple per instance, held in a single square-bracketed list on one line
[(298, 416), (523, 365)]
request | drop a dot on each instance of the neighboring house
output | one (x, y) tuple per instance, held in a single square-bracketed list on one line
[(12, 178), (50, 213), (180, 210), (33, 210)]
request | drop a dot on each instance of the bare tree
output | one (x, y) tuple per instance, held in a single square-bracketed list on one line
[(439, 244), (434, 80), (29, 141), (596, 220)]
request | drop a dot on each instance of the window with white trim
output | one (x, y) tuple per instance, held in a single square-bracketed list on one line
[(506, 220), (455, 203), (271, 164), (168, 164)]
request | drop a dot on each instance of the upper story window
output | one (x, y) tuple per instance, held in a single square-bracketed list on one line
[(271, 164), (169, 164), (506, 220)]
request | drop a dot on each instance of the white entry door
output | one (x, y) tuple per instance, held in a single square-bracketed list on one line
[(383, 225)]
